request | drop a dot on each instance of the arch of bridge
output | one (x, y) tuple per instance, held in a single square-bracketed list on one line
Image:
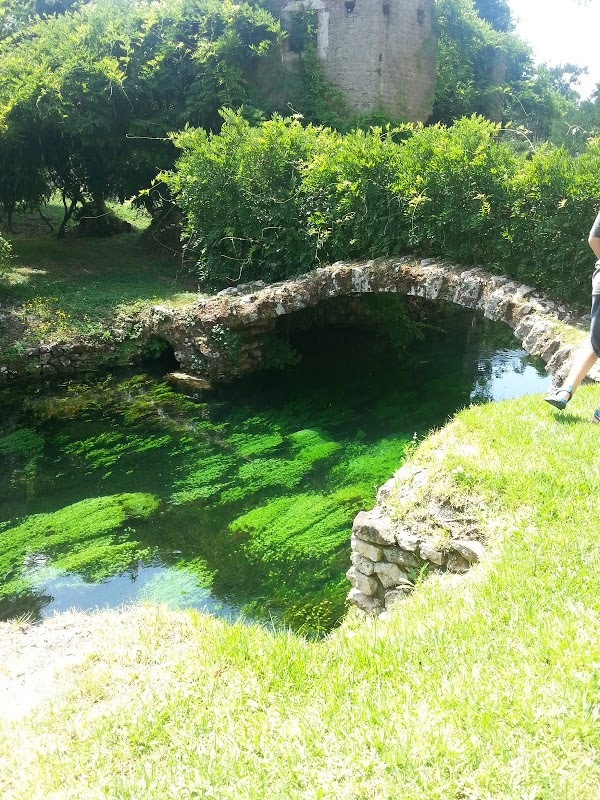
[(220, 336)]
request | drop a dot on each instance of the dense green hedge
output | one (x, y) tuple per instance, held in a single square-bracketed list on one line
[(275, 200)]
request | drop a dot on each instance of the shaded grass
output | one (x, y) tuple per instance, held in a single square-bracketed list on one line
[(483, 688), (56, 289)]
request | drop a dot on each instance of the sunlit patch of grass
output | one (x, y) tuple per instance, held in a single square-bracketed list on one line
[(15, 276), (63, 288), (486, 688)]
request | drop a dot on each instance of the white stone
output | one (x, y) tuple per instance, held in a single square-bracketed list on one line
[(362, 564), (368, 604), (365, 549), (374, 526), (433, 554), (395, 555), (407, 541), (394, 595), (391, 575), (365, 584), (386, 490), (469, 549), (456, 563)]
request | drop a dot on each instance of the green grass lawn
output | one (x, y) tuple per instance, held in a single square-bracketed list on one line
[(53, 289), (485, 687)]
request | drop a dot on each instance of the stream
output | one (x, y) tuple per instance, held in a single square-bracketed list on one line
[(122, 487)]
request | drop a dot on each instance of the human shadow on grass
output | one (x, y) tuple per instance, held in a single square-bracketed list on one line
[(568, 419)]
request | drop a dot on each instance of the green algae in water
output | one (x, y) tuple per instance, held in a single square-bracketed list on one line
[(241, 502), (24, 448), (74, 539), (108, 448)]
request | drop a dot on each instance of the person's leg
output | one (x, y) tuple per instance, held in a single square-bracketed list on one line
[(585, 358), (589, 351), (594, 237)]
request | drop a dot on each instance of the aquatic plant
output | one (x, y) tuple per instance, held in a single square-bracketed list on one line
[(208, 477), (106, 449), (312, 445), (82, 537), (290, 528), (266, 473), (21, 449)]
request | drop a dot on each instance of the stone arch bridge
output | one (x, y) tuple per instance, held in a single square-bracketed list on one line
[(221, 337)]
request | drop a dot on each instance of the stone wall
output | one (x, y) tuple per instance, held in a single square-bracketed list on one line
[(221, 337), (388, 557), (380, 53)]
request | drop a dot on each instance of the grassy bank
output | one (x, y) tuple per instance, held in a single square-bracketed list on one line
[(59, 289), (475, 688)]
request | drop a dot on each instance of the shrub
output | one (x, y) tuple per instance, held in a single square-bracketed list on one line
[(275, 200), (5, 251), (238, 190)]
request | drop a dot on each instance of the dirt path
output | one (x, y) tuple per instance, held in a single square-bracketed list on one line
[(32, 657)]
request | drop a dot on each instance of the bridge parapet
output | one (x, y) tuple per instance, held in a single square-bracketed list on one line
[(220, 337)]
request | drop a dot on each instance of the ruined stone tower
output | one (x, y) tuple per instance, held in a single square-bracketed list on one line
[(379, 53)]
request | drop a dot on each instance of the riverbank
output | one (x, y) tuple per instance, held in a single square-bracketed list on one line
[(483, 686), (79, 290)]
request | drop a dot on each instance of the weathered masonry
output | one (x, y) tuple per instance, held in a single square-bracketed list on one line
[(379, 53), (220, 337)]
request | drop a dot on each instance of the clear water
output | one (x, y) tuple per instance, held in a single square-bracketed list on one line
[(239, 502)]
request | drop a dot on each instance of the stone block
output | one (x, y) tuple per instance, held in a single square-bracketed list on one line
[(395, 555), (391, 575), (374, 526), (524, 327), (368, 604), (393, 595), (407, 541), (496, 305), (362, 564), (365, 584), (433, 554), (386, 490), (365, 549), (456, 563), (469, 549)]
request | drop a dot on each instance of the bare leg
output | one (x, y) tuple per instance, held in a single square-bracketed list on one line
[(585, 358)]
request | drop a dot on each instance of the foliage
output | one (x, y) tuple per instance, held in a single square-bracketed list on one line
[(302, 468), (102, 84), (62, 290), (485, 687), (478, 58), (274, 200), (81, 538), (5, 251), (544, 102), (239, 190), (496, 12)]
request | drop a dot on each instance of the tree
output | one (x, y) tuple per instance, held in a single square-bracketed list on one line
[(477, 58), (496, 13), (88, 97)]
